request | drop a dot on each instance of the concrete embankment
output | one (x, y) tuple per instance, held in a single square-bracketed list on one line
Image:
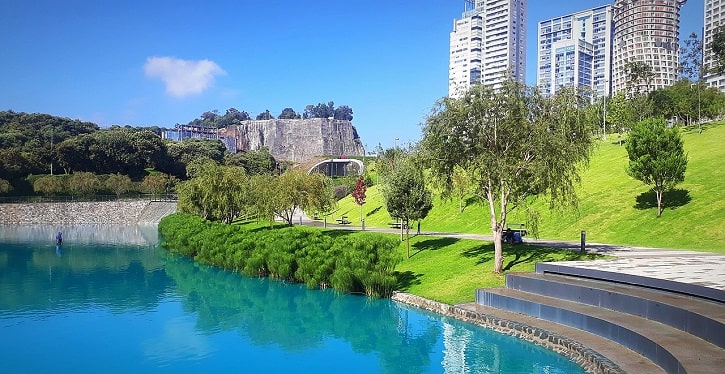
[(105, 212)]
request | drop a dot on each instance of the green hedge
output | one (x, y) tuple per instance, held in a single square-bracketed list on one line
[(346, 261)]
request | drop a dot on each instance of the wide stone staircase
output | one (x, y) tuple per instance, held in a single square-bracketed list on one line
[(679, 327)]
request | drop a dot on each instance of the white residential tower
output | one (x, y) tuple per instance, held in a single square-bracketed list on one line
[(574, 50), (714, 17), (487, 45), (646, 31)]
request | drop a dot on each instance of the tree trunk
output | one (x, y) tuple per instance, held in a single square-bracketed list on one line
[(658, 193), (497, 230), (407, 237)]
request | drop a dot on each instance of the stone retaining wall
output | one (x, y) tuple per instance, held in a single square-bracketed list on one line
[(106, 212), (591, 361)]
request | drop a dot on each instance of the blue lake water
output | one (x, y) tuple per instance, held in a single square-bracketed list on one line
[(111, 300)]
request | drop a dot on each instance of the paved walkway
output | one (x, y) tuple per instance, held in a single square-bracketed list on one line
[(700, 268)]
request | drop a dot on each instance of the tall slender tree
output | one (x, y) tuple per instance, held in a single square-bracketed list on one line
[(513, 143)]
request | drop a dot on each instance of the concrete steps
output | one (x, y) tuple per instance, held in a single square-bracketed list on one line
[(678, 332)]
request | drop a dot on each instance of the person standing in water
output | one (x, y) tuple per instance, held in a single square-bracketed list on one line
[(59, 238)]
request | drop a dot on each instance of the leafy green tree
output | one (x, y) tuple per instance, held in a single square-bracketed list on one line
[(514, 143), (656, 156), (119, 184), (295, 189), (215, 193), (717, 47), (358, 193), (49, 185), (461, 185), (406, 195), (289, 113), (184, 152), (265, 115), (253, 162), (691, 58), (83, 183), (5, 186), (639, 77), (343, 112), (158, 183)]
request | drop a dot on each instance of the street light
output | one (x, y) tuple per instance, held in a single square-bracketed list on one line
[(699, 119), (604, 124)]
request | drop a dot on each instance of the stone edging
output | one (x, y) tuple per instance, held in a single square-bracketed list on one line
[(590, 360)]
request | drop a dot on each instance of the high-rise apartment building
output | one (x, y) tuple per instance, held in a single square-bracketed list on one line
[(646, 31), (714, 17), (487, 45), (575, 51)]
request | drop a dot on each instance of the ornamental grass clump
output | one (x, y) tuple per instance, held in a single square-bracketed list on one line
[(349, 262)]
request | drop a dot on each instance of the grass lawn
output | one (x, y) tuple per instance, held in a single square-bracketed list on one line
[(449, 269), (614, 208)]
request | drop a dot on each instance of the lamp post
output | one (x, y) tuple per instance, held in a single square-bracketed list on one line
[(604, 122), (699, 119)]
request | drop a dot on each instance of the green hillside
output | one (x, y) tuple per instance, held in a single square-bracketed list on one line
[(614, 208)]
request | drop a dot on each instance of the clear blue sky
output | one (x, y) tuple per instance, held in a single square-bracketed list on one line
[(155, 62)]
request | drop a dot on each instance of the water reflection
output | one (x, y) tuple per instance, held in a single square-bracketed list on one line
[(165, 311), (141, 234)]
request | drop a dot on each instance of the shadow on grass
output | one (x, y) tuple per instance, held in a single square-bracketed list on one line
[(370, 213), (406, 279), (670, 199), (433, 244), (516, 254)]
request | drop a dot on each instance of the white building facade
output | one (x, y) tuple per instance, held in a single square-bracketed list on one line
[(575, 51), (487, 45), (646, 31), (714, 17)]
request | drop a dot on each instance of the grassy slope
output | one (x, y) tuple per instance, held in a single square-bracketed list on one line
[(609, 210)]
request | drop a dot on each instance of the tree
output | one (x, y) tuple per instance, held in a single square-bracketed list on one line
[(656, 156), (216, 193), (49, 185), (295, 189), (691, 58), (83, 183), (406, 195), (461, 185), (288, 113), (119, 184), (157, 183), (717, 47), (343, 112), (265, 115), (513, 143), (253, 162), (5, 186), (359, 195), (638, 73)]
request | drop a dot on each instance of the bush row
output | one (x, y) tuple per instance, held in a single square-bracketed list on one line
[(348, 262)]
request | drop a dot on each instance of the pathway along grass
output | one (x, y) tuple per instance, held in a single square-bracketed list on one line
[(442, 269), (614, 208)]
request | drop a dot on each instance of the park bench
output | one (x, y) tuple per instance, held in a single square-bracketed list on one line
[(343, 220), (511, 228), (395, 225)]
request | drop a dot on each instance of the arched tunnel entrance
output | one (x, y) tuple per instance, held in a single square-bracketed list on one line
[(338, 167)]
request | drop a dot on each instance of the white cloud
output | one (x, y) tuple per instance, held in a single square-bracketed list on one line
[(182, 77)]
